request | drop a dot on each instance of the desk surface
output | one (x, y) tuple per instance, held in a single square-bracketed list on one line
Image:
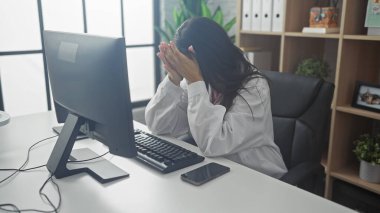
[(146, 190)]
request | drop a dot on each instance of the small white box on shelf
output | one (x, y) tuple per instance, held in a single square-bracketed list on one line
[(321, 30)]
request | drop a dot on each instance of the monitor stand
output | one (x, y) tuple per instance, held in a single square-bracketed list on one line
[(101, 169), (58, 129)]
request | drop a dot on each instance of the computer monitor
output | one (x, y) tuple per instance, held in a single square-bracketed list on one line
[(89, 79)]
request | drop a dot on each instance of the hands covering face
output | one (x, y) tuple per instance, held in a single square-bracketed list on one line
[(178, 65)]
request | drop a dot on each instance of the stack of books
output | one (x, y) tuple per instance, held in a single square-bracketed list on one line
[(322, 30)]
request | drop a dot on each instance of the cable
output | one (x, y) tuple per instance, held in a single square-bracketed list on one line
[(47, 198), (36, 167), (9, 210), (27, 159), (23, 170), (80, 161), (42, 194)]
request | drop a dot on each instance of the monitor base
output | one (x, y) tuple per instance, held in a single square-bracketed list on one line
[(101, 169), (58, 163)]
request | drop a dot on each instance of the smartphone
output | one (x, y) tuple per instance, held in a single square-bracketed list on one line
[(204, 173)]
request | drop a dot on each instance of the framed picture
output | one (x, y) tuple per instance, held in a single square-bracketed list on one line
[(366, 96)]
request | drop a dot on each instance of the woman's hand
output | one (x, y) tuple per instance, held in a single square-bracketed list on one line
[(187, 67), (174, 76)]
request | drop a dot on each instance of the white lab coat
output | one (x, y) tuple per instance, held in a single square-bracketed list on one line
[(235, 134)]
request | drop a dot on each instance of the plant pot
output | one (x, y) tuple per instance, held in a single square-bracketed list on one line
[(369, 172)]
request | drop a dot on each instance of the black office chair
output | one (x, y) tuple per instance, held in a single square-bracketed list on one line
[(301, 109)]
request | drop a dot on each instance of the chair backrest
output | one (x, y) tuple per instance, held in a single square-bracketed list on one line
[(301, 108)]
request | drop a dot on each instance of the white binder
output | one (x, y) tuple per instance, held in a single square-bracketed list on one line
[(246, 15), (266, 18), (256, 14), (278, 15)]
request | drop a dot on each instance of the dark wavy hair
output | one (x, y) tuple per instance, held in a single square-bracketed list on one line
[(222, 64)]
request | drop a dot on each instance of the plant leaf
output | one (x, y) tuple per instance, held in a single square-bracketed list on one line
[(185, 10), (163, 34), (177, 13), (218, 16), (205, 11), (169, 29), (229, 24), (182, 18)]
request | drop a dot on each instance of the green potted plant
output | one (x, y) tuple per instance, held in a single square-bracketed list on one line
[(313, 67), (367, 150), (191, 8)]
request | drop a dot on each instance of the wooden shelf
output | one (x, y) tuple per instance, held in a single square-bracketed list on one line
[(362, 37), (311, 35), (351, 55), (351, 175), (358, 112), (261, 33)]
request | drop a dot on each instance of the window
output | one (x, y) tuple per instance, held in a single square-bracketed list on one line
[(25, 86)]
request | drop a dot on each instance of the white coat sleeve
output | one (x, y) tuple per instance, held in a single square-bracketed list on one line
[(166, 113), (218, 133)]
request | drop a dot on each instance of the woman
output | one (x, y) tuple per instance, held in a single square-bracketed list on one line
[(224, 101)]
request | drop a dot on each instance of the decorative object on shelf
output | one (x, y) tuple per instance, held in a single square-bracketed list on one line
[(372, 19), (323, 18), (367, 150), (4, 118), (366, 96), (191, 8), (313, 67)]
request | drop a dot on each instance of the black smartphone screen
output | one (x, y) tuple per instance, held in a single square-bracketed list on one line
[(204, 173)]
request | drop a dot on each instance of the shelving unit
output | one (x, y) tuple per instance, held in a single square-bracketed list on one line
[(352, 56)]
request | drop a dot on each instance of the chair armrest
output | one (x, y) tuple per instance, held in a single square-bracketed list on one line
[(302, 172)]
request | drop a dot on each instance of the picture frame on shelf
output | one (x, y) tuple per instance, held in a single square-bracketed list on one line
[(372, 19), (366, 96)]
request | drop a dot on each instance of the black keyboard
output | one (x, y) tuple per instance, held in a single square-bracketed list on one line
[(162, 155)]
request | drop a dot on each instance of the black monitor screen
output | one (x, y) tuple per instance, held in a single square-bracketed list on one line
[(89, 80)]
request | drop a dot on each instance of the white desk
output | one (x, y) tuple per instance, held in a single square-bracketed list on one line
[(241, 190)]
